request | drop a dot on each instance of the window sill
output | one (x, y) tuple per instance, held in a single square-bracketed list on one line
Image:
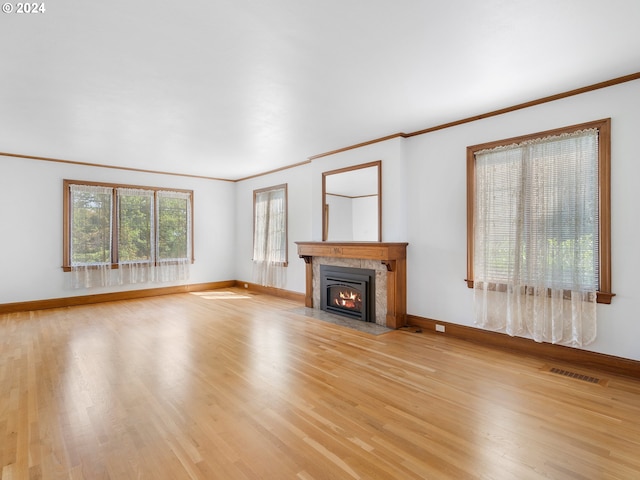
[(68, 268)]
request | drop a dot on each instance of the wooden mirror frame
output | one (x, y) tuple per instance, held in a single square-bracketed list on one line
[(325, 217)]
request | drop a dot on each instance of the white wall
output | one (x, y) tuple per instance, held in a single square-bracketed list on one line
[(31, 231), (437, 209)]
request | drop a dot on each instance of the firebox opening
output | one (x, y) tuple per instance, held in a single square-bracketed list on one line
[(348, 291)]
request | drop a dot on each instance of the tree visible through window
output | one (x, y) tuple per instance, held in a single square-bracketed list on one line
[(173, 226), (91, 222), (130, 228), (135, 225)]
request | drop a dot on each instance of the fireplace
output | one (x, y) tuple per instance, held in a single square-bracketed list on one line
[(348, 291), (388, 260)]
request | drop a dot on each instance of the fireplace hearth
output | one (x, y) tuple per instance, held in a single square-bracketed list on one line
[(348, 291)]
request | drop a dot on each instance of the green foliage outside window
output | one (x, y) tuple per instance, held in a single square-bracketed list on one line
[(149, 225), (172, 228), (91, 233), (134, 233)]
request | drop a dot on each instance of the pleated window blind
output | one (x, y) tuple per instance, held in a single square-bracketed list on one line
[(536, 212)]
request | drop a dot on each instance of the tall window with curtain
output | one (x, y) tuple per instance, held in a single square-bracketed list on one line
[(90, 239), (539, 244), (145, 233), (270, 236), (136, 239), (173, 233)]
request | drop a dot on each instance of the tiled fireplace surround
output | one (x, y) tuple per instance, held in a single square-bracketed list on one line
[(387, 259)]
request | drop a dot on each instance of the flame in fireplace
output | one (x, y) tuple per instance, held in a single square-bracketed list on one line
[(348, 299)]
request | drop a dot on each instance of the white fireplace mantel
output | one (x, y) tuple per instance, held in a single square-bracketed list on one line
[(392, 255)]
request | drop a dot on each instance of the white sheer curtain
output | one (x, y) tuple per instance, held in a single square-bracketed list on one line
[(91, 236), (136, 235), (173, 227), (90, 276), (536, 238), (270, 237), (173, 270)]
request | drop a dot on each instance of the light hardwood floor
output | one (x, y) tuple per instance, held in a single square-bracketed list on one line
[(230, 385)]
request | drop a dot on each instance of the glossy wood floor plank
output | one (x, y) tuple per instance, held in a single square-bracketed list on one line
[(230, 385)]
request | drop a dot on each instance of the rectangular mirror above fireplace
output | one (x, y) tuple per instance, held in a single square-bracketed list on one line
[(352, 203)]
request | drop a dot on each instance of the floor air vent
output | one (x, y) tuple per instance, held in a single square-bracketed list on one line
[(574, 375)]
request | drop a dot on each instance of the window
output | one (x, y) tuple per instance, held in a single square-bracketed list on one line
[(270, 235), (135, 225), (173, 225), (91, 222), (538, 233), (556, 185), (131, 228)]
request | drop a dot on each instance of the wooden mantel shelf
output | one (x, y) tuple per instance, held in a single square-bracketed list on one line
[(392, 255), (366, 250)]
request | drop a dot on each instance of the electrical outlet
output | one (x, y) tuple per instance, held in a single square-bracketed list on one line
[(439, 328), (246, 285)]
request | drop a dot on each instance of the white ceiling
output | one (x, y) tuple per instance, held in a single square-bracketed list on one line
[(232, 88)]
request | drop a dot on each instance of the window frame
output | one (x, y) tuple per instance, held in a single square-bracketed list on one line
[(67, 209), (283, 186), (604, 293)]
